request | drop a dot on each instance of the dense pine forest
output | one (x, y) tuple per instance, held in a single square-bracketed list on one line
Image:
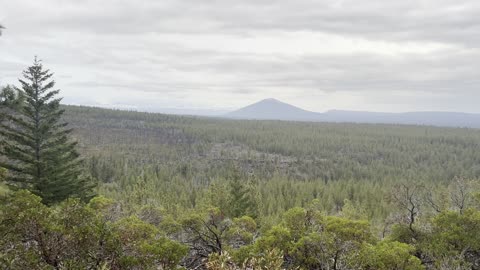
[(92, 188), (174, 160)]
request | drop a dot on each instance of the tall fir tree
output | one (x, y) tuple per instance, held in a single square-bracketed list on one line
[(35, 145)]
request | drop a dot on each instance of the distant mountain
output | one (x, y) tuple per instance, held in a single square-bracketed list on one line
[(272, 109), (445, 119)]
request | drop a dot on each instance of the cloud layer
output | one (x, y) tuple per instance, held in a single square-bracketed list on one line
[(221, 54)]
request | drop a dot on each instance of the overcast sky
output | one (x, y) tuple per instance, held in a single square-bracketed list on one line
[(376, 55)]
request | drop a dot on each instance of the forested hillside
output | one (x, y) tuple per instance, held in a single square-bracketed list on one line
[(291, 163), (264, 169), (206, 193)]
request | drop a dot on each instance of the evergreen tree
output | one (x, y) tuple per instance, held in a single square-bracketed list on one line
[(36, 148), (242, 201)]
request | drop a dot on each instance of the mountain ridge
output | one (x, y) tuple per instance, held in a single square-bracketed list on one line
[(273, 109)]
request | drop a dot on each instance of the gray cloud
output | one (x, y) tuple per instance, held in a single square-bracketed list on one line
[(345, 54)]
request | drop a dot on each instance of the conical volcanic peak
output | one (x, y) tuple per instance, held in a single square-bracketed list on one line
[(272, 109)]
